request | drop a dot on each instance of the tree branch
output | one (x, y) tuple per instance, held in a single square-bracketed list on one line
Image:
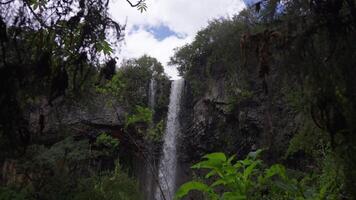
[(7, 2), (35, 15), (135, 5)]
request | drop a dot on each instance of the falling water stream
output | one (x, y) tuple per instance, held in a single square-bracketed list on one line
[(149, 162), (167, 166), (152, 94)]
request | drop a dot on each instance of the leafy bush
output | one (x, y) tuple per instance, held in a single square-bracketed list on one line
[(141, 115), (249, 179), (129, 85), (113, 87), (108, 143), (7, 193), (111, 185), (155, 134), (239, 179)]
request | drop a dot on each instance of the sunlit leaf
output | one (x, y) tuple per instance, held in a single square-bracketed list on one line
[(193, 185), (216, 156)]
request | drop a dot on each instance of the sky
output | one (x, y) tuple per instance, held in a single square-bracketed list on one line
[(166, 25)]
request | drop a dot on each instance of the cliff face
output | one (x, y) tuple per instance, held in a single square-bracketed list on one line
[(218, 122), (92, 109)]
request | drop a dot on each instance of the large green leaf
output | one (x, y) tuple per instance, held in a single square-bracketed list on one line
[(216, 156), (248, 171), (276, 170), (214, 161), (233, 196), (208, 164), (192, 185)]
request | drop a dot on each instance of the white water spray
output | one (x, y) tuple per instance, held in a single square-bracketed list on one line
[(152, 93), (167, 167)]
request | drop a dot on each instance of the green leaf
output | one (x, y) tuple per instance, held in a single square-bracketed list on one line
[(218, 182), (193, 185), (207, 164), (286, 186), (230, 159), (32, 2), (233, 196), (98, 46), (216, 156), (106, 47), (142, 6), (276, 170), (248, 171), (103, 46), (210, 174), (35, 6)]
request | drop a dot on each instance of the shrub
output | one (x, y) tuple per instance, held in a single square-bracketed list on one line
[(109, 143), (250, 179), (141, 115), (110, 185)]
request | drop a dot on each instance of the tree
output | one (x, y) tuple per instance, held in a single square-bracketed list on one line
[(304, 45), (50, 48), (130, 84)]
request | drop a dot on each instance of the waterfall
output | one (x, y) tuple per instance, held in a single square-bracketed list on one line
[(168, 162), (149, 186), (152, 93)]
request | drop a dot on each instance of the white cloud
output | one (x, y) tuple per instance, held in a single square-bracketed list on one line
[(185, 17), (142, 42)]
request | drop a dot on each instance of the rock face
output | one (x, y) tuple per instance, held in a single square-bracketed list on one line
[(96, 110), (215, 122)]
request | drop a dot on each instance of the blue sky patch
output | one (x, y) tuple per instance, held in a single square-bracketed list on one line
[(250, 2), (161, 32)]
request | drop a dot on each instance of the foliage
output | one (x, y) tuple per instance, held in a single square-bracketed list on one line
[(142, 121), (300, 47), (51, 49), (141, 115), (109, 144), (55, 171), (130, 84), (250, 179), (7, 193), (236, 98), (68, 170), (155, 134), (114, 87), (107, 186), (310, 140), (212, 55)]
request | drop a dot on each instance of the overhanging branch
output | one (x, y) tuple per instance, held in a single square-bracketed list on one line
[(134, 5)]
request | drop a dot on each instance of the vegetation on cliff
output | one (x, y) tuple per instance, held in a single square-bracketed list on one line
[(295, 54), (278, 76)]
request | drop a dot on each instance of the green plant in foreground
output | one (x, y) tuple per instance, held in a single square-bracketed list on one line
[(107, 186), (228, 179)]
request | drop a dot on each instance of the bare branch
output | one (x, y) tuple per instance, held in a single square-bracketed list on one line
[(6, 2), (35, 15), (135, 5)]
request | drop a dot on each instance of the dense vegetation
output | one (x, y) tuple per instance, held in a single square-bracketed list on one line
[(298, 52), (58, 55), (294, 58)]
